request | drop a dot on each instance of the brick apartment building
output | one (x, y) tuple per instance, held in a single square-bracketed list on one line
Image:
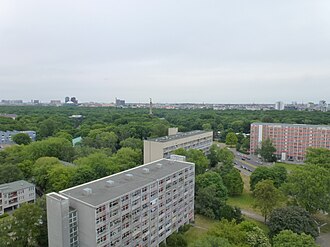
[(138, 207), (290, 140)]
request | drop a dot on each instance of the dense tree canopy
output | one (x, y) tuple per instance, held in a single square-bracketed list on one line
[(318, 156), (23, 228), (231, 139), (309, 186), (195, 156), (277, 174), (292, 218), (287, 238), (233, 182), (22, 138), (211, 194)]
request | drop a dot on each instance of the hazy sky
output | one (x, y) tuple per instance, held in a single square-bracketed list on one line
[(233, 51)]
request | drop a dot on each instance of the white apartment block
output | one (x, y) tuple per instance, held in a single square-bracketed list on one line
[(138, 207), (162, 147), (15, 193), (6, 136)]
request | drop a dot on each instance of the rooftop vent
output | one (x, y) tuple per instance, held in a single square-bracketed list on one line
[(159, 165), (87, 191), (109, 183), (128, 176), (145, 171)]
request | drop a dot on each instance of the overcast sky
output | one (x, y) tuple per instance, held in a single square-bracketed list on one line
[(233, 51)]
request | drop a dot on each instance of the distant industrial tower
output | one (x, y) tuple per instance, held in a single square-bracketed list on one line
[(150, 107)]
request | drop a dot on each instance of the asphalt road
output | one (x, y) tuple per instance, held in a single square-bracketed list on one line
[(246, 163)]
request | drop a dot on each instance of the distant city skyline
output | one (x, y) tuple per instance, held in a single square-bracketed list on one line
[(173, 52)]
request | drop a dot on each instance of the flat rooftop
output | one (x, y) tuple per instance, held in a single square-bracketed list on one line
[(111, 187), (179, 135), (14, 186), (293, 125)]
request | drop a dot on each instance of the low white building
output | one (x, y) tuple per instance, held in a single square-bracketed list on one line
[(162, 147), (15, 193)]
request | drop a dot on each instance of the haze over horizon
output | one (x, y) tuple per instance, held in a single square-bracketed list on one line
[(187, 51)]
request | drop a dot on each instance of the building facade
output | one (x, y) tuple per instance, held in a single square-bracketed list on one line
[(290, 140), (6, 136), (138, 207), (162, 147), (12, 195)]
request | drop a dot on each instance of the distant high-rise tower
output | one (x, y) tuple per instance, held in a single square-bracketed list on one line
[(74, 100), (279, 106), (120, 102), (150, 107), (323, 105)]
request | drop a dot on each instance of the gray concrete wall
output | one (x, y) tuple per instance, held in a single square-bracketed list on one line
[(86, 224), (57, 220)]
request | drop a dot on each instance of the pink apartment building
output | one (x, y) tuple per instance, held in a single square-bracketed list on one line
[(290, 140)]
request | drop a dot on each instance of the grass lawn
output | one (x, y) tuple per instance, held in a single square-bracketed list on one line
[(245, 200), (202, 224), (289, 167)]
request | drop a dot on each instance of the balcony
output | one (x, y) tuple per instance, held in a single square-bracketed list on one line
[(11, 195), (12, 201)]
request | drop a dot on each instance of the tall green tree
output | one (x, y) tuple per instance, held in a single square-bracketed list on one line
[(195, 156), (266, 197), (211, 194), (233, 182), (309, 186), (292, 218), (267, 150), (26, 225), (231, 139), (22, 138), (213, 155), (277, 174)]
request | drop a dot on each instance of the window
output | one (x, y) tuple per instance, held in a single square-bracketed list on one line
[(125, 207), (101, 229), (100, 209)]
